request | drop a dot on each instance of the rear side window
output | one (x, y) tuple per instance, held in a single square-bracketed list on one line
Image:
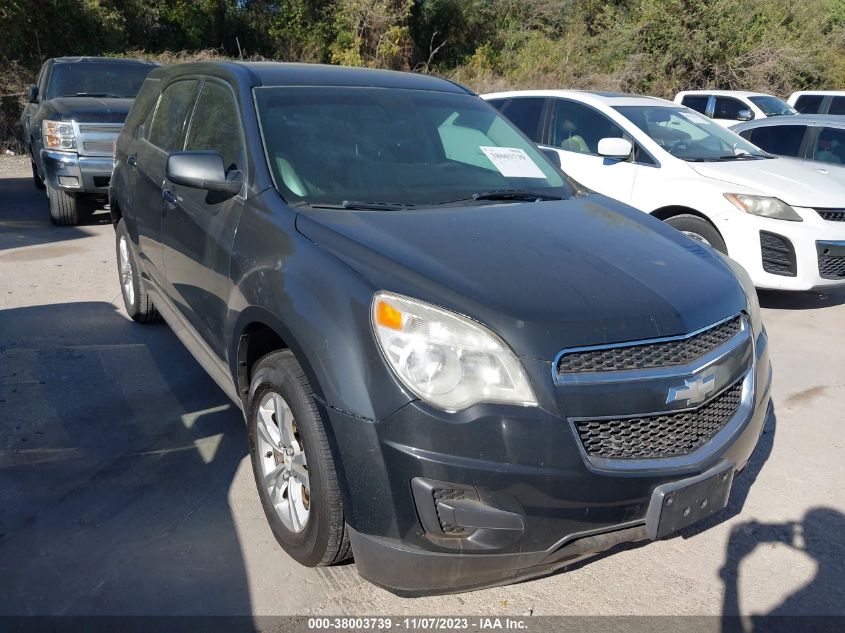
[(525, 114), (696, 102), (168, 124), (809, 104), (783, 140), (830, 146), (728, 108), (837, 106), (216, 126)]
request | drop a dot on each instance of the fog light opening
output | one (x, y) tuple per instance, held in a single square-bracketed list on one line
[(68, 181)]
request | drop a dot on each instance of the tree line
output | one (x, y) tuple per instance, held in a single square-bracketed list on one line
[(646, 46)]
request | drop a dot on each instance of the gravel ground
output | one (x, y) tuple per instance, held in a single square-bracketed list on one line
[(126, 488)]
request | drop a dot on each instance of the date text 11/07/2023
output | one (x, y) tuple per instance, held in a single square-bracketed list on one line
[(418, 623)]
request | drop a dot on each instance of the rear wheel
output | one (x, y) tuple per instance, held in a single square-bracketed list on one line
[(293, 465), (698, 229), (136, 299), (64, 207)]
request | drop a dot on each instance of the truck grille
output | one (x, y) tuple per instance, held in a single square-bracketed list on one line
[(831, 266), (650, 355), (668, 435), (778, 255), (832, 215)]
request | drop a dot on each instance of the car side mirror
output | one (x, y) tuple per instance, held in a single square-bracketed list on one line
[(620, 148), (744, 115), (32, 94), (202, 170), (553, 156)]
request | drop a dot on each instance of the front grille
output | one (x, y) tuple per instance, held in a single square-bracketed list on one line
[(778, 255), (668, 435), (98, 147), (443, 494), (831, 266), (100, 128), (832, 215), (650, 355)]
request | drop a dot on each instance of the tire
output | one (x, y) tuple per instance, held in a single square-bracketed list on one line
[(698, 229), (64, 207), (136, 299), (280, 391), (36, 179)]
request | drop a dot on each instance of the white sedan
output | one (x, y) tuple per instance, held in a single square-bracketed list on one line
[(767, 213)]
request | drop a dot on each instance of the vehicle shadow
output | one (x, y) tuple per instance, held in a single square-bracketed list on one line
[(116, 463), (801, 300), (25, 216), (820, 535)]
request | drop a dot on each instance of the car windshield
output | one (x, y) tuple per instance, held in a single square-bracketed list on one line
[(772, 106), (97, 79), (688, 135), (369, 147)]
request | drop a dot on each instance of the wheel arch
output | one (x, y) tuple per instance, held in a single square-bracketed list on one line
[(671, 211)]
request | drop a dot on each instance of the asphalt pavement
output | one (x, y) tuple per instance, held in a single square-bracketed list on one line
[(125, 484)]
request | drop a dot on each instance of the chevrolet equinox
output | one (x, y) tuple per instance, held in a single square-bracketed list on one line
[(453, 361)]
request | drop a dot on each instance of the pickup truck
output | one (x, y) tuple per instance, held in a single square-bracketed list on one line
[(74, 114)]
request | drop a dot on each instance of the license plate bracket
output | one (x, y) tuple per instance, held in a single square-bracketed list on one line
[(679, 504)]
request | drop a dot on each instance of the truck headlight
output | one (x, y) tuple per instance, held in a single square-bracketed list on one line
[(58, 135), (764, 206), (447, 359)]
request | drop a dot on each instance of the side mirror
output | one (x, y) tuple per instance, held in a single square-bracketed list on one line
[(202, 170), (553, 156), (32, 94), (620, 148), (744, 115)]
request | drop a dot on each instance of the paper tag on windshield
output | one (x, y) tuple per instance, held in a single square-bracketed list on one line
[(512, 162)]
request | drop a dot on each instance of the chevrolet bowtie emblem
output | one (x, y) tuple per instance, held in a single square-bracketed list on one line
[(694, 391)]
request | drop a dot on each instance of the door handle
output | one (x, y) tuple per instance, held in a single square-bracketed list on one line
[(132, 161), (170, 197)]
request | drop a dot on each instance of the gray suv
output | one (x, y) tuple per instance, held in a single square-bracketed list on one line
[(74, 112), (452, 361)]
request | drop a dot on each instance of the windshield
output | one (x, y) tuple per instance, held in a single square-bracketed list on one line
[(333, 146), (688, 135), (97, 79), (772, 106)]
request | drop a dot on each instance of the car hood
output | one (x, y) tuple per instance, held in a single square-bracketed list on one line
[(784, 178), (545, 276), (91, 109)]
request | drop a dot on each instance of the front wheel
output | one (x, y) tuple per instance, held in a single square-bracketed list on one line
[(64, 207), (698, 229), (293, 465)]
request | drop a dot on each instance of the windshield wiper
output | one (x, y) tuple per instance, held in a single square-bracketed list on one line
[(514, 194), (355, 205), (106, 95), (741, 157)]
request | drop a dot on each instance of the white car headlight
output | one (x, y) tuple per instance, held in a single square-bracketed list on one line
[(764, 206), (446, 359), (58, 135)]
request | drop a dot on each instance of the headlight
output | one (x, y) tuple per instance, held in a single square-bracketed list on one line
[(58, 135), (446, 359), (750, 292), (764, 206)]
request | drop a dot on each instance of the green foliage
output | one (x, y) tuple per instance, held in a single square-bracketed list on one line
[(646, 46)]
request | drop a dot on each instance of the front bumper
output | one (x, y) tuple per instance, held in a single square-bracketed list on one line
[(539, 503), (802, 245), (72, 172)]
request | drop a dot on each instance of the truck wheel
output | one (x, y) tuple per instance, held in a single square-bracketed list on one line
[(64, 207), (698, 229), (293, 465), (136, 299), (36, 179)]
